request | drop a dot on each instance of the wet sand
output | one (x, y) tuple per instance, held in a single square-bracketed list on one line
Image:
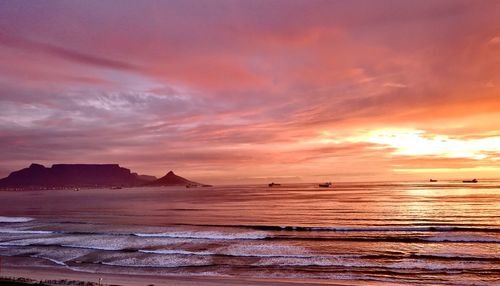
[(11, 270)]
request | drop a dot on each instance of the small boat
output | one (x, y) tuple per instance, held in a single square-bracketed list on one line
[(432, 180), (470, 181), (325, 185), (273, 184), (116, 188)]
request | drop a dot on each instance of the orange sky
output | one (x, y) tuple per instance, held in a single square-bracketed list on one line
[(254, 91)]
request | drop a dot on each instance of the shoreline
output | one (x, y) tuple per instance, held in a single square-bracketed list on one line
[(17, 274)]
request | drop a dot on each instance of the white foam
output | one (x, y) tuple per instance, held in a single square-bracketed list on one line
[(84, 241), (56, 255), (103, 242), (95, 242), (160, 261), (264, 250), (108, 248), (356, 263), (50, 259), (313, 261), (15, 219), (173, 251), (207, 235), (432, 265), (19, 231)]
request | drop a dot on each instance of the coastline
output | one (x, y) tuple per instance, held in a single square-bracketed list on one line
[(64, 276), (253, 236)]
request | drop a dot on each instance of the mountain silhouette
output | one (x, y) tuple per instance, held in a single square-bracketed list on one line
[(171, 179), (73, 175)]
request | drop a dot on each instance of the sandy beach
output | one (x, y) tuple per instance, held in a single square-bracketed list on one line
[(12, 268)]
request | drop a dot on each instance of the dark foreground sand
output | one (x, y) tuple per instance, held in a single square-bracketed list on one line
[(10, 270)]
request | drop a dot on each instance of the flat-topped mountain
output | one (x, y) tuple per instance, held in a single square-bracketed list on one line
[(77, 175), (171, 179)]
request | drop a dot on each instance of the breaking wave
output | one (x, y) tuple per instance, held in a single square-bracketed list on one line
[(6, 219), (207, 235)]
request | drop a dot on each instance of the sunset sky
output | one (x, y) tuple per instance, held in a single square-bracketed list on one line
[(254, 91)]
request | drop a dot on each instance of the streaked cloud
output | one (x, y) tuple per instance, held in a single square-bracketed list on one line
[(68, 54), (239, 90)]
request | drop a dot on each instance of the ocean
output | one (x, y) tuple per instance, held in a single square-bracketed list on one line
[(384, 233)]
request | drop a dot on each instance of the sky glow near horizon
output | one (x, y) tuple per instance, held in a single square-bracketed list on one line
[(253, 91), (417, 143)]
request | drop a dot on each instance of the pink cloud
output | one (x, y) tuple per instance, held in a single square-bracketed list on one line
[(238, 85)]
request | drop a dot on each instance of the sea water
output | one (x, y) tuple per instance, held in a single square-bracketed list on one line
[(445, 233)]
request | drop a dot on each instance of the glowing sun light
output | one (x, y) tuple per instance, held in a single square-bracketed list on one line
[(419, 143)]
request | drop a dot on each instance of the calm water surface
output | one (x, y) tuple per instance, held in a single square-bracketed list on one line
[(367, 233)]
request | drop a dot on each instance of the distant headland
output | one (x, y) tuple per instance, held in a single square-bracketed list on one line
[(171, 179), (37, 176)]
